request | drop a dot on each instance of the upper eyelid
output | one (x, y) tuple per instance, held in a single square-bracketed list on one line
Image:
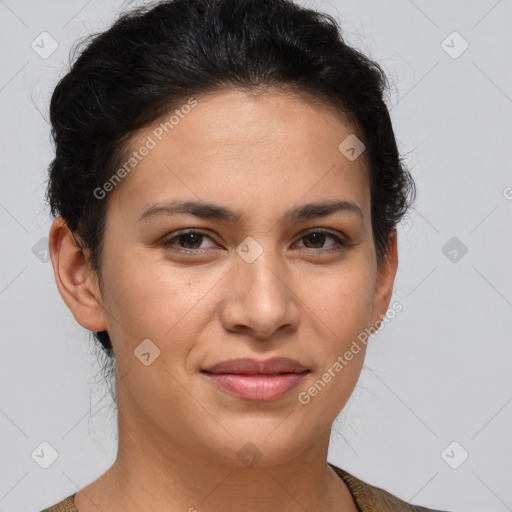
[(340, 238)]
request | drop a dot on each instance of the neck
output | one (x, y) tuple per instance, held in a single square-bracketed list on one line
[(154, 472)]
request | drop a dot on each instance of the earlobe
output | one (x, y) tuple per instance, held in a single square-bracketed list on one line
[(76, 281)]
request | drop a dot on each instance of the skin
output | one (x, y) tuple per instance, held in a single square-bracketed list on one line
[(303, 298)]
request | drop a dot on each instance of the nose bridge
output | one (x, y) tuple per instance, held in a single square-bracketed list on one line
[(259, 299), (264, 276)]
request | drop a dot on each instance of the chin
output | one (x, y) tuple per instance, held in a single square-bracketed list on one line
[(253, 443)]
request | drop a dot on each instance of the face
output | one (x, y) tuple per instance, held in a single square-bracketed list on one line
[(262, 276)]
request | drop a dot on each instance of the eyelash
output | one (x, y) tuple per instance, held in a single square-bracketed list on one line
[(340, 243)]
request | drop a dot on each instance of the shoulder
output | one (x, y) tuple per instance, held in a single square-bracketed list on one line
[(67, 505), (370, 498)]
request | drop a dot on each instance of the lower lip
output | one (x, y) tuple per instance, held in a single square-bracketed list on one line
[(257, 388)]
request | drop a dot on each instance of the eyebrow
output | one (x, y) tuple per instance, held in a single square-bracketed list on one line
[(214, 211)]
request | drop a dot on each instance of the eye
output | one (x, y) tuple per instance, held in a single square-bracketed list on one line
[(317, 238), (186, 241), (191, 241)]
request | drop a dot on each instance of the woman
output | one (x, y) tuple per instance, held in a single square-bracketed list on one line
[(226, 189)]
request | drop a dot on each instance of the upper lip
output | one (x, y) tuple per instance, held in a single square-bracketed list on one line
[(249, 366)]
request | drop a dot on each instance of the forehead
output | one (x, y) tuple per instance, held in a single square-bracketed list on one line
[(265, 149)]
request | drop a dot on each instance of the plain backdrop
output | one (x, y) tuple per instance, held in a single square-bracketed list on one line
[(430, 419)]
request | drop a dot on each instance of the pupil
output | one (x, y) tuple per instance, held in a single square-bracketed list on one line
[(190, 238), (315, 238)]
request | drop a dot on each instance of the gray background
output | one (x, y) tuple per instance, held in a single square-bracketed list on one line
[(439, 372)]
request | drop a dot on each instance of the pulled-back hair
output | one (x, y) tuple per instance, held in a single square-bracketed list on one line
[(155, 57)]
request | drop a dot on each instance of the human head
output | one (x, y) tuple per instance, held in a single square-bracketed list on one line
[(155, 58)]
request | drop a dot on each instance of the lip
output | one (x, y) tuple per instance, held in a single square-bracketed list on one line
[(250, 366), (257, 380)]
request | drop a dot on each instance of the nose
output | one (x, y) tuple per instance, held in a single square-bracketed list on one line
[(260, 299)]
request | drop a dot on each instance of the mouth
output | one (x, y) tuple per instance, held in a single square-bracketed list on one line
[(256, 381)]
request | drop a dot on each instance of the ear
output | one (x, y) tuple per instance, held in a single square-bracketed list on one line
[(385, 279), (76, 281)]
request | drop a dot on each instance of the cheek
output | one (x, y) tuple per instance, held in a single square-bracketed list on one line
[(344, 306), (342, 299), (156, 300)]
